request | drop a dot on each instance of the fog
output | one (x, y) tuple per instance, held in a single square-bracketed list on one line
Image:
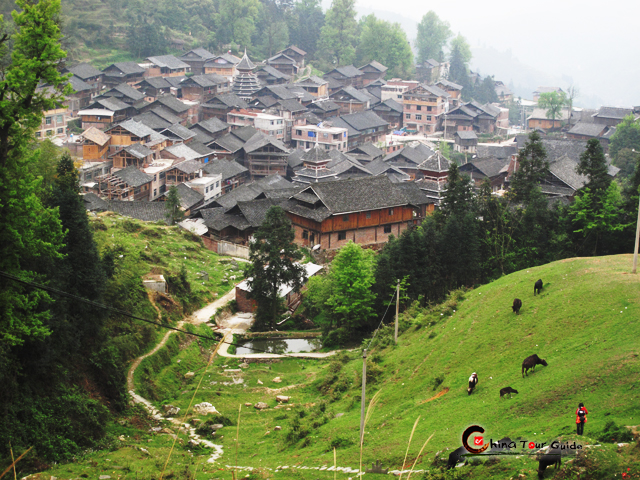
[(593, 45)]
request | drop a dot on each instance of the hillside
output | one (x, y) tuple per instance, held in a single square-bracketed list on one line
[(584, 324)]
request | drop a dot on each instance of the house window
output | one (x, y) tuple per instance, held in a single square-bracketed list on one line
[(418, 107), (428, 109), (391, 211), (387, 229), (428, 118), (38, 134), (408, 116), (327, 147), (60, 130), (368, 215), (155, 177), (305, 234), (298, 132), (217, 184), (59, 118), (342, 236), (47, 120), (163, 175), (399, 96), (155, 192), (49, 133), (345, 218), (418, 117)]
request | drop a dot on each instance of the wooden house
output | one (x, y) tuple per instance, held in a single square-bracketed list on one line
[(116, 73), (153, 87), (435, 168), (265, 155), (196, 59), (493, 169), (347, 75), (232, 173), (166, 66), (128, 133), (202, 88), (183, 172), (423, 106), (271, 76), (350, 100), (95, 144), (99, 118), (611, 116), (125, 93), (224, 65), (465, 142), (362, 127), (173, 105), (391, 112), (127, 184), (539, 119), (453, 89), (284, 64), (324, 108), (88, 74), (121, 111), (136, 155), (220, 105), (81, 96), (372, 71), (364, 210)]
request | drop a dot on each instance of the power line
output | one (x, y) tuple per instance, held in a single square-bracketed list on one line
[(382, 320), (125, 313)]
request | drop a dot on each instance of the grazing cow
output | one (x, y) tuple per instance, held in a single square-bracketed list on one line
[(455, 457), (552, 457), (517, 305), (537, 288), (530, 363), (473, 381), (507, 390)]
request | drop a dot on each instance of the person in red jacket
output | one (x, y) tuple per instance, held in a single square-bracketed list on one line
[(581, 418)]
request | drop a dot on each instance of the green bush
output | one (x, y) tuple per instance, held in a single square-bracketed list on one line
[(613, 433), (341, 441)]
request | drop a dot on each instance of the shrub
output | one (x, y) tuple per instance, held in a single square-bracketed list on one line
[(613, 433), (341, 441), (438, 381)]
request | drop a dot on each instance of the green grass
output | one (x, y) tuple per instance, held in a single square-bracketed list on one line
[(575, 324), (145, 247)]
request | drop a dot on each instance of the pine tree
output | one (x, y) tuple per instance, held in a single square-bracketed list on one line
[(459, 197), (532, 169), (274, 262), (174, 212), (338, 36), (594, 166)]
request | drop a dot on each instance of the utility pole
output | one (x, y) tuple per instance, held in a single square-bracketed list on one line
[(363, 398), (397, 311)]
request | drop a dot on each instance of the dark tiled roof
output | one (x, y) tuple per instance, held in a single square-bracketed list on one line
[(168, 61), (207, 80), (136, 128), (564, 168), (588, 129), (245, 63), (360, 121), (133, 177), (393, 105), (295, 158), (230, 100), (188, 196), (244, 133), (613, 112), (84, 71), (156, 82), (324, 105), (140, 210), (347, 93), (491, 167), (128, 91), (138, 151), (260, 140), (178, 131), (152, 120), (92, 202), (368, 149), (376, 65), (227, 168), (197, 52), (412, 193), (166, 114), (79, 85), (408, 153), (275, 73), (255, 211), (200, 148), (558, 148), (349, 71), (495, 151), (436, 163), (172, 103), (448, 84), (127, 68), (291, 105), (465, 135), (216, 219), (110, 103), (228, 142)]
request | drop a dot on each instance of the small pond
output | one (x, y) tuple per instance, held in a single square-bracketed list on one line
[(279, 345)]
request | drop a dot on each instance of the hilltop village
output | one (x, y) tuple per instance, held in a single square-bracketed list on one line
[(348, 155)]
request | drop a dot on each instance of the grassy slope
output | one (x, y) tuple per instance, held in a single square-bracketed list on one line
[(576, 325)]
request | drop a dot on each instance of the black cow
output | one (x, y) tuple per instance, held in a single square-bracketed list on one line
[(537, 288), (517, 305), (507, 390), (472, 385), (501, 445), (530, 363), (455, 457), (552, 457)]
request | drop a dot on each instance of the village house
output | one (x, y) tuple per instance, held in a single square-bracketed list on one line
[(166, 66), (320, 165), (54, 123), (190, 199), (220, 105), (178, 134), (81, 96), (196, 59), (365, 211), (268, 75), (246, 83), (158, 171), (408, 159), (158, 118), (395, 88), (493, 169), (362, 127), (88, 74), (611, 116), (95, 144), (391, 112), (366, 153), (99, 118), (231, 173), (316, 86), (125, 93), (539, 120), (271, 125), (224, 65), (350, 100), (586, 131), (212, 128), (176, 107), (265, 155), (126, 184), (324, 108), (423, 106), (89, 171), (324, 136), (503, 92), (372, 71), (208, 186), (431, 71), (347, 75), (121, 111), (465, 142), (284, 64), (116, 73), (153, 87), (136, 155)]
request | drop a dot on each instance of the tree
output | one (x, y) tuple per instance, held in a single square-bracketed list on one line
[(553, 102), (238, 20), (44, 163), (458, 197), (173, 209), (532, 169), (272, 32), (459, 73), (338, 36), (274, 258), (626, 160), (305, 24), (572, 93), (594, 166), (433, 35), (30, 233), (463, 47), (627, 135), (352, 276), (485, 92), (386, 43)]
